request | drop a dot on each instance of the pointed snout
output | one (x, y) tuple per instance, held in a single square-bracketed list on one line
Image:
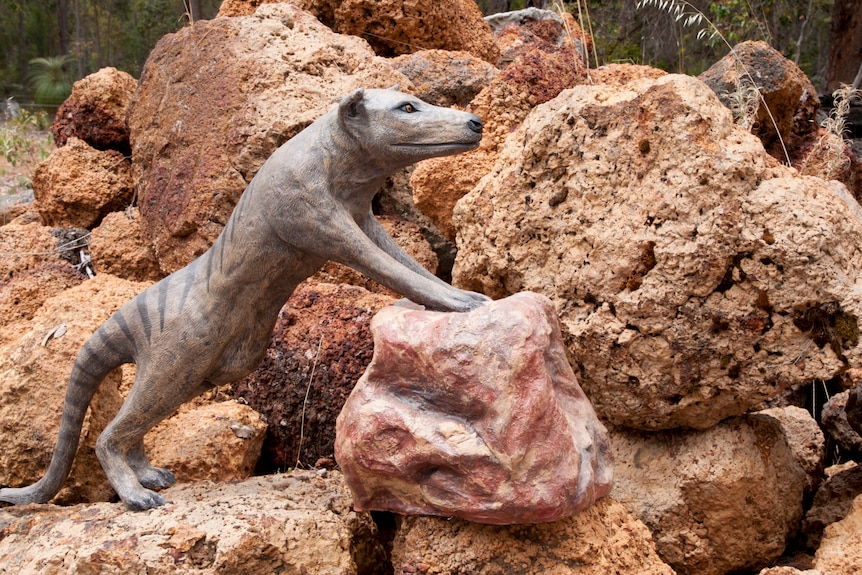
[(475, 124)]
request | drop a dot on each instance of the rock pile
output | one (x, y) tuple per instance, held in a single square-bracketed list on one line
[(697, 279)]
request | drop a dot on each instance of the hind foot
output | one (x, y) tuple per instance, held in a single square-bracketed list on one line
[(142, 499), (155, 477)]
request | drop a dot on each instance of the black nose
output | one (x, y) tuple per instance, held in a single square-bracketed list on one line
[(475, 124)]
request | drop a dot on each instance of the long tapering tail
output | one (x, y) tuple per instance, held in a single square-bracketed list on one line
[(101, 354)]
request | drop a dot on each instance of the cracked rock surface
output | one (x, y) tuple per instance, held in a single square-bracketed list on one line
[(690, 269)]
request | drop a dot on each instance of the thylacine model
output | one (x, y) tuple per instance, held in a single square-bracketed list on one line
[(210, 323)]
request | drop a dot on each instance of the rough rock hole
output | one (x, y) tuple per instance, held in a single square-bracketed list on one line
[(558, 197), (646, 262), (728, 279), (828, 323), (203, 553)]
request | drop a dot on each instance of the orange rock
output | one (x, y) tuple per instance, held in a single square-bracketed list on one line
[(78, 185), (96, 111), (118, 248), (394, 27), (220, 442), (601, 540)]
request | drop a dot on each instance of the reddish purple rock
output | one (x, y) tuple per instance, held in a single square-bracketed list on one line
[(474, 415)]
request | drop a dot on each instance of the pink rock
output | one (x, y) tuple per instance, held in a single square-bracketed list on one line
[(474, 415)]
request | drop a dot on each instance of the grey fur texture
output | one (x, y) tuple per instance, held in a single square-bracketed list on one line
[(209, 323)]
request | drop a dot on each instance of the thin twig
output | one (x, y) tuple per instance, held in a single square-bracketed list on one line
[(305, 401)]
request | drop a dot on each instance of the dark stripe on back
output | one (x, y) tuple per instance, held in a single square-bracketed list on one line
[(144, 314), (163, 301), (124, 327), (107, 342), (187, 287)]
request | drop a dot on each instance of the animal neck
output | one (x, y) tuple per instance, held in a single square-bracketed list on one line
[(353, 171)]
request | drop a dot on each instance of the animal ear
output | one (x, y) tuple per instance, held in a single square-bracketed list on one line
[(396, 87), (351, 105)]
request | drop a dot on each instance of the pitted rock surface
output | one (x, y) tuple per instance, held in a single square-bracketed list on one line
[(394, 27), (688, 267), (298, 522), (474, 415), (79, 185), (717, 501), (537, 75), (604, 539)]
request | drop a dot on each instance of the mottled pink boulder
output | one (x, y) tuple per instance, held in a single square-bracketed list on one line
[(473, 415)]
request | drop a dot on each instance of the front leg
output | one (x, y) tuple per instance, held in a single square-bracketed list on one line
[(373, 252), (384, 241)]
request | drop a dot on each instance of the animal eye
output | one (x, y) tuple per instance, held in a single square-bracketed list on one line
[(409, 108)]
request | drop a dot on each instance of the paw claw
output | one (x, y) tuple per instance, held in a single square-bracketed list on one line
[(156, 478), (143, 500)]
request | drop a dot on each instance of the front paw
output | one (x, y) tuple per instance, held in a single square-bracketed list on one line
[(475, 299)]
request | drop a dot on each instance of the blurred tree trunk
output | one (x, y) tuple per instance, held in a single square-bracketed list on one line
[(845, 54), (22, 46), (193, 10), (63, 26)]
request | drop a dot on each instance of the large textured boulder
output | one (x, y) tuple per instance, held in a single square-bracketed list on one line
[(96, 111), (25, 247), (213, 104), (293, 523), (517, 31), (117, 247), (688, 267), (219, 441), (444, 77), (601, 540), (717, 501), (787, 102), (473, 415), (34, 371), (536, 76), (394, 27), (320, 346), (78, 185)]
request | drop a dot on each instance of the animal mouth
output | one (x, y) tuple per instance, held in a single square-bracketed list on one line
[(437, 144)]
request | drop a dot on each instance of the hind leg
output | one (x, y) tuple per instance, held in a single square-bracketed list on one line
[(149, 476), (120, 446)]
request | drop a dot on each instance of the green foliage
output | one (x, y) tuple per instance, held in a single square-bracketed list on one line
[(689, 36), (118, 33), (49, 80), (25, 140)]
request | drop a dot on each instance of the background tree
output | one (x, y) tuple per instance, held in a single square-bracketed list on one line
[(823, 36), (94, 33), (845, 52)]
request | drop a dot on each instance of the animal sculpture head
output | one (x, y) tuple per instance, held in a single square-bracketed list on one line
[(404, 128)]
